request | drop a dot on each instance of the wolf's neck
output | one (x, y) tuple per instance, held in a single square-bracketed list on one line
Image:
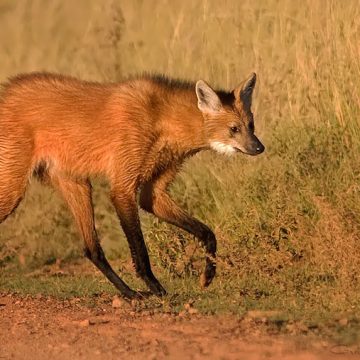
[(183, 124)]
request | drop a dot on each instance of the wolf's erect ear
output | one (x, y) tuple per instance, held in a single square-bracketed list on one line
[(208, 101), (245, 90)]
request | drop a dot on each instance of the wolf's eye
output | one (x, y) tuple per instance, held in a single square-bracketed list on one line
[(234, 129)]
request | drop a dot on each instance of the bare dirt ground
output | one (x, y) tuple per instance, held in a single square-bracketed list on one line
[(45, 328)]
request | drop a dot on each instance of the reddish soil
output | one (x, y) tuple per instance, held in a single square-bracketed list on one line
[(43, 328)]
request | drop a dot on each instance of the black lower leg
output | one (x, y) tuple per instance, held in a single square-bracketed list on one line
[(142, 265), (97, 256), (210, 268), (208, 240)]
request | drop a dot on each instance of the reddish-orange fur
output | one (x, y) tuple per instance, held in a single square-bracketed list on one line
[(136, 133)]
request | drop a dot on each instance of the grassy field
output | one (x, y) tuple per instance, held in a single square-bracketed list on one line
[(287, 222)]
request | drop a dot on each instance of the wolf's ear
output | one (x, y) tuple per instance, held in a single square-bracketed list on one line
[(245, 90), (208, 101)]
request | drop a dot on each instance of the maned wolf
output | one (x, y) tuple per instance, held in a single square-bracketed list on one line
[(137, 133)]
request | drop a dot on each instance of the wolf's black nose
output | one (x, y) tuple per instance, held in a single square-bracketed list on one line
[(260, 148)]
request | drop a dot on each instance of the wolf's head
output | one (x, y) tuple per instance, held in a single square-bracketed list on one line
[(228, 120)]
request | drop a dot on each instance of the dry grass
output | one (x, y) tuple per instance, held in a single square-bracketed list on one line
[(287, 222)]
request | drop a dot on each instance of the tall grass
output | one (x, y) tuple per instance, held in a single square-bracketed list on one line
[(288, 221)]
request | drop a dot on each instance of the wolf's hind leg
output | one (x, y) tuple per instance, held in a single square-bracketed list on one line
[(8, 204), (77, 195), (13, 181)]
